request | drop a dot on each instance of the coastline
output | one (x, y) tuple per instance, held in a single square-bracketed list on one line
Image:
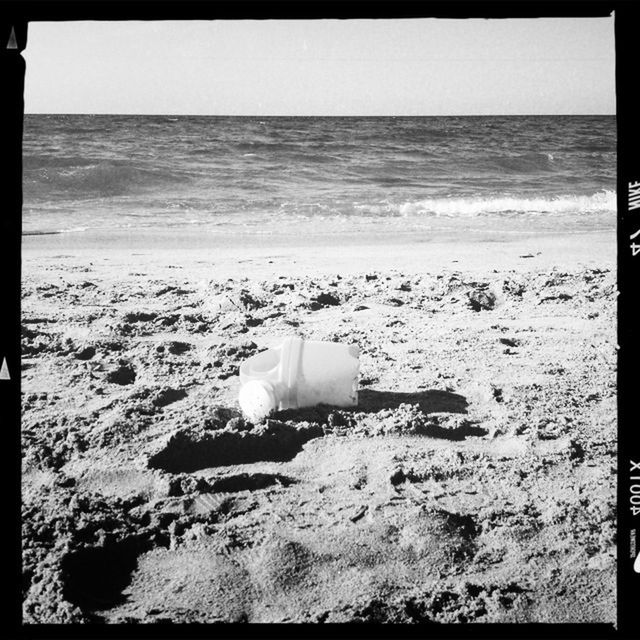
[(327, 252)]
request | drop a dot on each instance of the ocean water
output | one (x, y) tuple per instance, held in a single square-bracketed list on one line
[(305, 175)]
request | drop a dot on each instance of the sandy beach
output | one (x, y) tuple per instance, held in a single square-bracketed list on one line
[(474, 481)]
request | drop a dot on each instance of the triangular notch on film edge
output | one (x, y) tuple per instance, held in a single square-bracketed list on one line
[(12, 43), (4, 371)]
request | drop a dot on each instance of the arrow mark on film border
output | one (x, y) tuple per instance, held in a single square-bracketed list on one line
[(4, 371)]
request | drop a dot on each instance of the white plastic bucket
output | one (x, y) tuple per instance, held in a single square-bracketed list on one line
[(299, 373)]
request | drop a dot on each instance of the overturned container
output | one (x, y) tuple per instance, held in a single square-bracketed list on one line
[(299, 373)]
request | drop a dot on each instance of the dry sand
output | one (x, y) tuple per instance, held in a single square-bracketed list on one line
[(475, 481)]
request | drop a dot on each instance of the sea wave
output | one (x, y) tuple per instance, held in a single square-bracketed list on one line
[(97, 171), (601, 202), (85, 178), (524, 163), (47, 161)]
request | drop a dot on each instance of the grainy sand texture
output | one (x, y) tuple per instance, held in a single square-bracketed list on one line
[(474, 481)]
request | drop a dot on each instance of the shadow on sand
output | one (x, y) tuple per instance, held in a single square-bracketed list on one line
[(431, 401), (372, 401)]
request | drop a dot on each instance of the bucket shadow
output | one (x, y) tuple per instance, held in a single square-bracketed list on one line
[(430, 401), (370, 401)]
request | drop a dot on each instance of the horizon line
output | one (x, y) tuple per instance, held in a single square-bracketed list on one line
[(312, 115)]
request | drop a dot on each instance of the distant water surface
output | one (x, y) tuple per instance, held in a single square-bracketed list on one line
[(273, 175)]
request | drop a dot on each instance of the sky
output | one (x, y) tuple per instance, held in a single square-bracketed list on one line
[(323, 67)]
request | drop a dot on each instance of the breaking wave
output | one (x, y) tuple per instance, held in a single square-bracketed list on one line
[(603, 201)]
